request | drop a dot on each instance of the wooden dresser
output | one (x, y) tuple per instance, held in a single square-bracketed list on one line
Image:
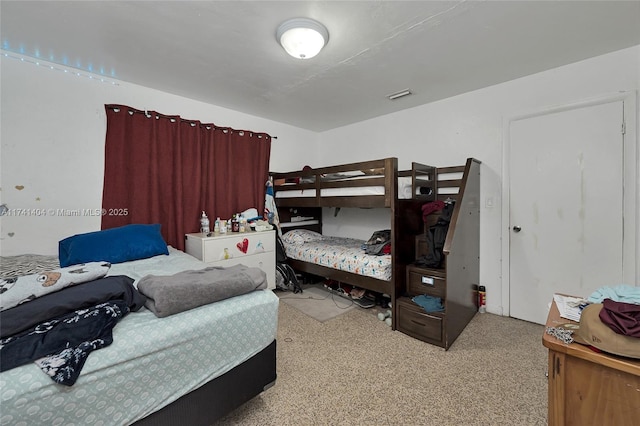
[(253, 249), (589, 388)]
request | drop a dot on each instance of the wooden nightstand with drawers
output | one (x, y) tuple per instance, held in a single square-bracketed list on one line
[(253, 249)]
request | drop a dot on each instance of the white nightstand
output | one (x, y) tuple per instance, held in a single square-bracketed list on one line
[(253, 249)]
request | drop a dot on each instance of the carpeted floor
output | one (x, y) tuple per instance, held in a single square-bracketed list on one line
[(354, 370), (317, 302)]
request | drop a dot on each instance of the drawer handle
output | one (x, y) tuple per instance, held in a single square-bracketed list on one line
[(419, 323), (427, 280)]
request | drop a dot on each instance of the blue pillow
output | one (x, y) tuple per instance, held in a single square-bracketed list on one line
[(116, 245)]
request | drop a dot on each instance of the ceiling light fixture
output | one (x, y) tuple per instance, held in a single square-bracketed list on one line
[(402, 93), (302, 38)]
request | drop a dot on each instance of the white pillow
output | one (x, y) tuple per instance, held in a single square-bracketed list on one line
[(301, 236)]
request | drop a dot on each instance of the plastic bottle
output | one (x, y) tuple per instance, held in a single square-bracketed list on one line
[(235, 224), (216, 225), (204, 223), (482, 299)]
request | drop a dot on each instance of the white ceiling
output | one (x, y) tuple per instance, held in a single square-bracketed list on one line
[(225, 52)]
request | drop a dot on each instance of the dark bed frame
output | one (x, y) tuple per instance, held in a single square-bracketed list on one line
[(383, 172), (460, 183), (220, 396)]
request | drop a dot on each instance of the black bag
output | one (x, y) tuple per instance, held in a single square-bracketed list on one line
[(286, 278), (377, 242), (436, 235)]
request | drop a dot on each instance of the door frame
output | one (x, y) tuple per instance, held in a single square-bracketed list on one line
[(631, 179)]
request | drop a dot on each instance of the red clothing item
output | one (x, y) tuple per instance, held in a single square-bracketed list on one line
[(621, 317), (431, 207)]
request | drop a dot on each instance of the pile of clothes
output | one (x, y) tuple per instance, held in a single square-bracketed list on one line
[(610, 321), (56, 318)]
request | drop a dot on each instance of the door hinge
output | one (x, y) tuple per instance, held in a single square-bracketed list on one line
[(624, 128)]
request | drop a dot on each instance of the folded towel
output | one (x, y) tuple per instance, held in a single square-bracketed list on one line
[(168, 295)]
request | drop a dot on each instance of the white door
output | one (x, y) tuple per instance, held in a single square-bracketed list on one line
[(566, 206)]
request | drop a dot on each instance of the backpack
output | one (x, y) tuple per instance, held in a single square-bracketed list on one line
[(286, 278), (377, 242), (436, 235)]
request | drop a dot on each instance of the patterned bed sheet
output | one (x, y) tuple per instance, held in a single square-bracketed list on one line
[(345, 254), (26, 264), (151, 362)]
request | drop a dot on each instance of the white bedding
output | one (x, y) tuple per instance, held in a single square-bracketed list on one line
[(345, 254), (404, 191), (151, 362)]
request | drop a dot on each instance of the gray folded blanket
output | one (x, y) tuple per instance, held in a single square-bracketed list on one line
[(168, 295)]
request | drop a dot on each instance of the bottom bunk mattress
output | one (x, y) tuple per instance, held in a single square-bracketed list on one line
[(152, 361), (345, 254)]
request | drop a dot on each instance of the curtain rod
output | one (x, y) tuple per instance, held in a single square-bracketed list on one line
[(117, 108)]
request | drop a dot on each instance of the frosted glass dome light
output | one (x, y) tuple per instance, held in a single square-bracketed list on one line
[(302, 38)]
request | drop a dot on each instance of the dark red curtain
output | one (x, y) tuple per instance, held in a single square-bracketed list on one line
[(165, 169)]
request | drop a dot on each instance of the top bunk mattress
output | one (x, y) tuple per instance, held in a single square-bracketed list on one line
[(151, 362), (405, 191), (366, 182)]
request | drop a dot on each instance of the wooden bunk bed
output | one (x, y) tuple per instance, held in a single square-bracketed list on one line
[(369, 184), (379, 184)]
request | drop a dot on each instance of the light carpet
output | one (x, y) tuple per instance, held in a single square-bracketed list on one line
[(355, 370), (316, 302)]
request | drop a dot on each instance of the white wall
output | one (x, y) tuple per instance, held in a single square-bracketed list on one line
[(445, 133), (52, 133), (53, 128)]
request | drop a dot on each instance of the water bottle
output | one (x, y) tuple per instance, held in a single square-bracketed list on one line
[(216, 225), (204, 223)]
